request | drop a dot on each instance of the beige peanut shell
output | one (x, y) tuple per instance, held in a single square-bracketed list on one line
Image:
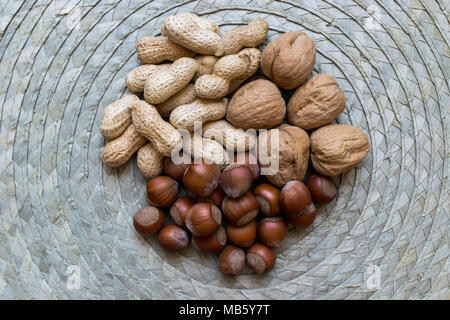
[(337, 148), (194, 33), (148, 122), (149, 161), (202, 110), (237, 67), (289, 59), (255, 57), (203, 148), (251, 35), (116, 117), (118, 151), (205, 65), (257, 105), (230, 137), (316, 103), (136, 78), (152, 50), (292, 153), (184, 96), (166, 83)]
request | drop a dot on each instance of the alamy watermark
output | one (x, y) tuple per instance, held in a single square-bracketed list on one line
[(73, 281), (372, 277)]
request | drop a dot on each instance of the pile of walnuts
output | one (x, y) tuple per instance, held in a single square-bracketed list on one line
[(187, 78)]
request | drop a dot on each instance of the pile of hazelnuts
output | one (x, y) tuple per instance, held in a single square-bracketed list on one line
[(235, 193)]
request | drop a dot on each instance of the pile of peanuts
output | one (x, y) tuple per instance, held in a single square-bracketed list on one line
[(167, 97)]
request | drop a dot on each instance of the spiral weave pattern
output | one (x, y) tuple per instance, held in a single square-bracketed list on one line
[(62, 211)]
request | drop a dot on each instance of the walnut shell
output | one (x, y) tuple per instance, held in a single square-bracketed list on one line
[(257, 105), (289, 59), (337, 148), (293, 153), (316, 103)]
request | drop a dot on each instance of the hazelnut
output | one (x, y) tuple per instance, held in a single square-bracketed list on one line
[(201, 179), (217, 197), (231, 260), (203, 219), (211, 244), (302, 221), (241, 210), (162, 191), (179, 209), (236, 179), (322, 189), (296, 200), (261, 258), (148, 220), (268, 198), (272, 231), (173, 170), (243, 236), (173, 238), (250, 160)]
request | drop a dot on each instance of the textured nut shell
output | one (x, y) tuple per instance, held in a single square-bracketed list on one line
[(166, 83), (149, 161), (184, 96), (293, 154), (251, 35), (255, 57), (256, 105), (198, 147), (136, 78), (217, 84), (231, 138), (203, 110), (337, 148), (205, 65), (194, 33), (316, 103), (289, 59), (157, 49), (116, 117), (149, 123), (117, 152)]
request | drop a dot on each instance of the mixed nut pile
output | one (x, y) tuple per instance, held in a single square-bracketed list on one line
[(205, 68)]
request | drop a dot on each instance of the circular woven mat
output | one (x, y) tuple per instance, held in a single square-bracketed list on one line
[(64, 215)]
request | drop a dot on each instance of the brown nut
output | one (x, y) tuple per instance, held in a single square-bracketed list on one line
[(292, 153), (289, 59), (261, 258), (256, 105), (216, 197), (241, 210), (231, 260), (162, 191), (179, 209), (173, 170), (295, 199), (322, 189), (235, 180), (211, 244), (251, 161), (243, 236), (272, 231), (268, 198), (316, 103), (302, 221), (201, 179), (337, 148), (203, 219), (148, 220), (173, 238)]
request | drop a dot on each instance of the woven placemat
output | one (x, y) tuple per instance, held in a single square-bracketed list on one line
[(66, 220)]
